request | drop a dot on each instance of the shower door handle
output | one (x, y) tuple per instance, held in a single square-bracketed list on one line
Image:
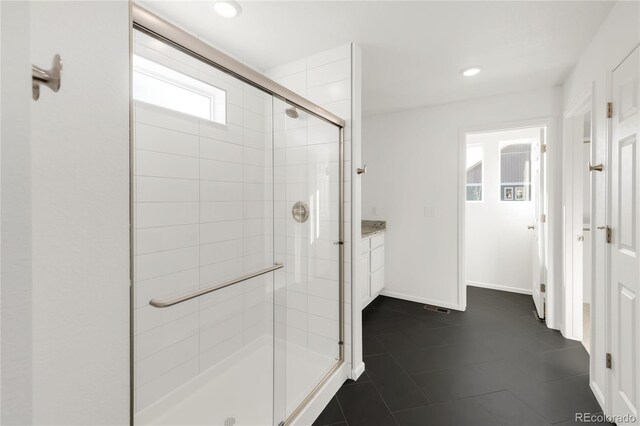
[(156, 303), (362, 170)]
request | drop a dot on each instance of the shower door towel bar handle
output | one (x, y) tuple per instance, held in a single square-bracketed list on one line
[(158, 303)]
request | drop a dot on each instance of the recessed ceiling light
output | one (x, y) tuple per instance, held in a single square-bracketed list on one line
[(468, 72), (227, 8)]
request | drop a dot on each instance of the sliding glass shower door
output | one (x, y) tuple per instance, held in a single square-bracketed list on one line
[(236, 246), (307, 237)]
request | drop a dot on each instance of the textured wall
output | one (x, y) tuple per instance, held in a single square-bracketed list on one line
[(80, 215)]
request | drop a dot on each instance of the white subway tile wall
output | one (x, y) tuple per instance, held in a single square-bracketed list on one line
[(203, 214)]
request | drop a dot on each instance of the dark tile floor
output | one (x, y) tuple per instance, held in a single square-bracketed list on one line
[(494, 364)]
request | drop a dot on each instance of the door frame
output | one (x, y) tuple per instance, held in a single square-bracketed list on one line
[(571, 324), (553, 209)]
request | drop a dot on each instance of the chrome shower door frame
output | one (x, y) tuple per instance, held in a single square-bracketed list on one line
[(151, 24)]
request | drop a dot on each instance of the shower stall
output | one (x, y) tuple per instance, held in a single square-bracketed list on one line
[(237, 237)]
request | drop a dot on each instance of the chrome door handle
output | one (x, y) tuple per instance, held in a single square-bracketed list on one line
[(597, 167), (361, 170), (531, 227)]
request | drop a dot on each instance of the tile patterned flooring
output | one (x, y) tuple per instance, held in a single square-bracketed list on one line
[(491, 365)]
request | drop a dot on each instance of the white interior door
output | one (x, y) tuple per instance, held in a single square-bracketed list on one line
[(625, 231), (539, 219)]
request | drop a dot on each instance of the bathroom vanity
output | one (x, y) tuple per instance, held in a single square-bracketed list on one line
[(371, 261)]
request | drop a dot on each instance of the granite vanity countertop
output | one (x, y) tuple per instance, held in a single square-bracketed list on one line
[(371, 227)]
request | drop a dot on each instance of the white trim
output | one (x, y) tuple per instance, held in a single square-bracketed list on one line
[(608, 392), (500, 287), (598, 393), (424, 300), (554, 292), (357, 371), (355, 128), (462, 203)]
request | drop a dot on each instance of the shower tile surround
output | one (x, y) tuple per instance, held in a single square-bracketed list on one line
[(201, 198)]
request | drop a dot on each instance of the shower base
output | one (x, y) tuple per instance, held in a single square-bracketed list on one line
[(240, 389)]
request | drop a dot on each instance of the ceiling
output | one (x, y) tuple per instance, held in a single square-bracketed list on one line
[(412, 51)]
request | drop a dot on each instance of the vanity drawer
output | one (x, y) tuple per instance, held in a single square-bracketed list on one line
[(377, 241), (377, 258), (365, 245), (377, 281)]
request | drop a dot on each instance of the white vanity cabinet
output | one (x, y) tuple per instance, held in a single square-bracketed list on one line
[(371, 266)]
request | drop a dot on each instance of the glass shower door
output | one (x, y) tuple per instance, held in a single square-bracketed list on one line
[(236, 246), (307, 237), (203, 216)]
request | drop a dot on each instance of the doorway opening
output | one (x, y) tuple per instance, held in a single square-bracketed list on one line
[(505, 210)]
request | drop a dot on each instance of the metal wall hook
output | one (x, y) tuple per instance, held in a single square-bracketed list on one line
[(49, 78), (597, 167), (361, 170)]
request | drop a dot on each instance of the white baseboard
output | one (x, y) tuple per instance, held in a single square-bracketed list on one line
[(500, 287), (418, 299), (357, 371)]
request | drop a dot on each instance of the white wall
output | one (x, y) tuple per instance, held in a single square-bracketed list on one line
[(615, 39), (80, 215), (498, 243), (16, 319), (414, 166)]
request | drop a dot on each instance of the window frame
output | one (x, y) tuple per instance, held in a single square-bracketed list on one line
[(217, 96), (514, 185), (482, 175)]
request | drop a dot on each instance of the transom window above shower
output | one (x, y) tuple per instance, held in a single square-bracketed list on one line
[(159, 85)]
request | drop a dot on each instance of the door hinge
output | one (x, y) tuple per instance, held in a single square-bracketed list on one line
[(607, 229), (543, 218), (608, 360), (609, 109), (543, 288), (543, 148)]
